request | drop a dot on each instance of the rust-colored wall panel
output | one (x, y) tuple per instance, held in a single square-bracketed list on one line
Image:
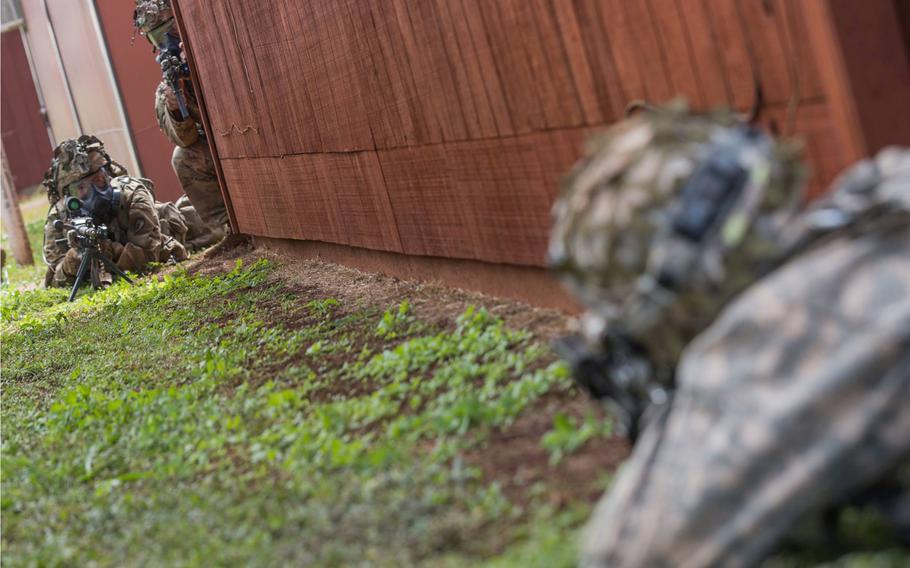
[(441, 128), (484, 200), (577, 61), (868, 78), (626, 57), (677, 48), (823, 154), (797, 27), (334, 197), (25, 140), (764, 33), (607, 84), (738, 66), (706, 53), (240, 126)]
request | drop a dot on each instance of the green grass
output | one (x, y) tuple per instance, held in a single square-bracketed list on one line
[(224, 421)]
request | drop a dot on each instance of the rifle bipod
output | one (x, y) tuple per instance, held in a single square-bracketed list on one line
[(92, 260)]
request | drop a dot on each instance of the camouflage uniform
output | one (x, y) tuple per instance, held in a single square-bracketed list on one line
[(622, 243), (181, 221), (198, 234), (134, 225), (192, 158), (136, 230), (793, 400), (796, 394)]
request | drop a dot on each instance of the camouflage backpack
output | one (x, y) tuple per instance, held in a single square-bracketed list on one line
[(668, 216)]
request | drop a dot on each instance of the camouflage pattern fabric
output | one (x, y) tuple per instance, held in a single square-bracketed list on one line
[(137, 238), (53, 250), (173, 232), (136, 225), (610, 241), (195, 168), (180, 132), (198, 234), (150, 14), (171, 220), (192, 160), (794, 399), (73, 160)]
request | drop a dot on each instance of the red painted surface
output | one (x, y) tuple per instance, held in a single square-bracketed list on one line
[(441, 129), (868, 78), (24, 134), (137, 77)]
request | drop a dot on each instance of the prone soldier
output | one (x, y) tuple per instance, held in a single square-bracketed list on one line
[(759, 353), (82, 170)]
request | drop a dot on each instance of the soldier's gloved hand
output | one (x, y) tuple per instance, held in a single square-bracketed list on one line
[(71, 239), (170, 100), (68, 266)]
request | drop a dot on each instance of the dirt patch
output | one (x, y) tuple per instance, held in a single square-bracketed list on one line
[(431, 302), (515, 457), (512, 456)]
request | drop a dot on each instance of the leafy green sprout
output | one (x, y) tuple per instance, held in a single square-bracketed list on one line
[(568, 435)]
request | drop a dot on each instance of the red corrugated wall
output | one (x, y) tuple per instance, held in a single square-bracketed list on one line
[(442, 127), (24, 133)]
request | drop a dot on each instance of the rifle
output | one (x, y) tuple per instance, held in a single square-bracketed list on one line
[(88, 235), (173, 70)]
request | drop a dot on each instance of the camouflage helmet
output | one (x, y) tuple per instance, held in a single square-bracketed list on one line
[(74, 159), (669, 214), (150, 14)]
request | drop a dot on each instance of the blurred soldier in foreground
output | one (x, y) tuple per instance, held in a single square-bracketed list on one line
[(796, 397), (82, 170), (180, 120)]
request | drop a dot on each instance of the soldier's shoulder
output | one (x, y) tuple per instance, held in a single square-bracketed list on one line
[(134, 184)]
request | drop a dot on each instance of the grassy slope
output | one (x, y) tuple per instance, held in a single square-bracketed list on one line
[(180, 420)]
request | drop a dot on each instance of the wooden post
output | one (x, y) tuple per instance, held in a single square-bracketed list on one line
[(12, 217)]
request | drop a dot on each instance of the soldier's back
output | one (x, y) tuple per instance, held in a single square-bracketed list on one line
[(795, 399)]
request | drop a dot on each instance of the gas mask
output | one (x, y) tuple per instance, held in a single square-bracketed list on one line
[(102, 203), (99, 203), (165, 39)]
